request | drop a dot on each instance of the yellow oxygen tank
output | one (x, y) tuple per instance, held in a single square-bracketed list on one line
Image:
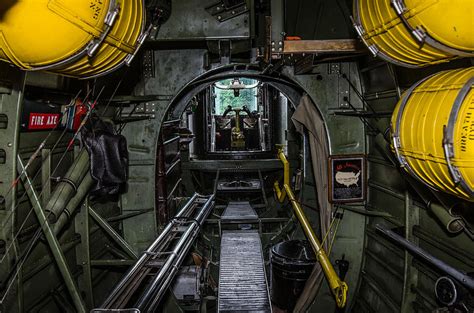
[(432, 131), (415, 33), (78, 38)]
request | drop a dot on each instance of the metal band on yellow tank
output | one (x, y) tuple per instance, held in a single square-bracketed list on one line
[(432, 131), (373, 48), (448, 140), (91, 48), (396, 142), (129, 58), (412, 35), (96, 45), (421, 35)]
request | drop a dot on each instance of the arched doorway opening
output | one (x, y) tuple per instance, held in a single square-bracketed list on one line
[(200, 94)]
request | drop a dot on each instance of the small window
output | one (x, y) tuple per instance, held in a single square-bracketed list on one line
[(235, 92), (3, 121), (3, 156)]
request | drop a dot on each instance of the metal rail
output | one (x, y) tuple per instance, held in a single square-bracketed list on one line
[(338, 287), (463, 278), (157, 266)]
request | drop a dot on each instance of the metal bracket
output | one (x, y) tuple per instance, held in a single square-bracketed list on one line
[(399, 6), (109, 20), (222, 12), (148, 64)]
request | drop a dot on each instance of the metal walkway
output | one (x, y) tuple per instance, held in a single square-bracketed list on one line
[(242, 282), (238, 212)]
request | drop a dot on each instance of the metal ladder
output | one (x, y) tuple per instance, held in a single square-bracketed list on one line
[(142, 288)]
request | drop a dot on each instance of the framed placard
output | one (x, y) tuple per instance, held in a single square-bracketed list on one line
[(347, 178)]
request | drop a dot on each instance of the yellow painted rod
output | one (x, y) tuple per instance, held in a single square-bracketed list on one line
[(338, 287)]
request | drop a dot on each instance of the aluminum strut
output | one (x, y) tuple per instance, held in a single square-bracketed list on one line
[(154, 271)]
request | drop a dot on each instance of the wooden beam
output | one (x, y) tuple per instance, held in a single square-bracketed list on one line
[(322, 46)]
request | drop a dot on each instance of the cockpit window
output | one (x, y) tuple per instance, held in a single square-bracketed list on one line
[(235, 92)]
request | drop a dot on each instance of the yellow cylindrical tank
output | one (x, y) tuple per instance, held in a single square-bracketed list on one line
[(415, 33), (432, 131), (78, 38)]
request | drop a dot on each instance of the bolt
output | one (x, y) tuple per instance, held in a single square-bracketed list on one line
[(9, 144), (219, 17), (233, 12)]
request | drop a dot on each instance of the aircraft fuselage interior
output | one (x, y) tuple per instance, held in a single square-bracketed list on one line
[(237, 156)]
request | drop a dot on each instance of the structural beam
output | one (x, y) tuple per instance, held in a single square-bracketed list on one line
[(83, 257), (232, 165), (108, 263), (112, 233), (51, 239), (322, 46)]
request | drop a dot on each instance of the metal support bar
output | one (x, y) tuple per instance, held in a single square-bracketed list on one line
[(122, 262), (410, 273), (83, 256), (277, 26), (338, 287), (113, 234), (51, 239), (416, 250), (45, 175), (12, 85)]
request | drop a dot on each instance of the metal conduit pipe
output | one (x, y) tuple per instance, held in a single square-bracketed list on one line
[(74, 203), (139, 264), (454, 224), (67, 187), (461, 277), (155, 290)]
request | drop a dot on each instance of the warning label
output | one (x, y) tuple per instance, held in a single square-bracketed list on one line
[(43, 121)]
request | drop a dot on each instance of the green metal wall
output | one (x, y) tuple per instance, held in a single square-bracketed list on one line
[(391, 279)]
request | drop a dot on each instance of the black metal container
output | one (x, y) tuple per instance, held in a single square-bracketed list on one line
[(291, 264)]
